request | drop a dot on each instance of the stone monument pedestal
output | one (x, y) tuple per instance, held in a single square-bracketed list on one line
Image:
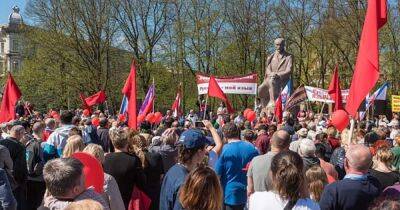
[(270, 108)]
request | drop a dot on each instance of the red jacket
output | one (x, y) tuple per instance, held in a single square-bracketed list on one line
[(334, 142)]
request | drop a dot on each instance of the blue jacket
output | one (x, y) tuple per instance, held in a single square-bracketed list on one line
[(7, 200), (173, 180), (350, 194)]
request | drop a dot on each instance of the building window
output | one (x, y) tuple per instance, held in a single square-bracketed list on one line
[(15, 45), (15, 66), (2, 48)]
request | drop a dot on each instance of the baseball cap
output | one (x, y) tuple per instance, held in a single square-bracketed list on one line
[(193, 138)]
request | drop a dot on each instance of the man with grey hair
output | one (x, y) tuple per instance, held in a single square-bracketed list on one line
[(307, 152), (258, 174), (357, 190), (295, 145), (65, 182), (18, 156)]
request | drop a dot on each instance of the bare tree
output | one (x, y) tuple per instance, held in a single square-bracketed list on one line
[(143, 23)]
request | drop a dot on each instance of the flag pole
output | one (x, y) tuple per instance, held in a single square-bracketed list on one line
[(351, 129), (105, 103), (322, 108), (154, 101), (205, 108)]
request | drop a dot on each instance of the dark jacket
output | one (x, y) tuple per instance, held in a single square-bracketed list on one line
[(105, 140), (337, 160), (310, 162), (18, 155), (90, 135), (7, 200), (348, 194), (127, 171), (35, 161), (169, 155)]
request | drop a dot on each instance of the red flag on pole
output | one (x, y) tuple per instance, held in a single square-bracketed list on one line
[(215, 91), (278, 109), (176, 106), (98, 98), (334, 90), (85, 105), (11, 96), (129, 91), (366, 72)]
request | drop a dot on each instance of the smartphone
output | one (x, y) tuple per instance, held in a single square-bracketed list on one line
[(199, 124)]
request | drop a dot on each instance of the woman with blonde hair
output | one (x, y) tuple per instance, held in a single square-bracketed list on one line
[(202, 190), (85, 204), (316, 180), (74, 144), (111, 191), (137, 145), (168, 150), (382, 169)]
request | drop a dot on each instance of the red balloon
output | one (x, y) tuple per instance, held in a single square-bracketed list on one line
[(96, 121), (340, 119), (121, 117), (94, 174), (53, 113), (246, 111), (158, 117), (251, 116), (57, 116), (86, 112), (140, 118), (150, 117)]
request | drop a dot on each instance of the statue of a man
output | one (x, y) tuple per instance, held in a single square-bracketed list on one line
[(277, 73)]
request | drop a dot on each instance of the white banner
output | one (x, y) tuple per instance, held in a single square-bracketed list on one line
[(229, 85), (321, 95)]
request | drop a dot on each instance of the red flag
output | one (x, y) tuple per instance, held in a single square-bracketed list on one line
[(129, 91), (176, 106), (278, 109), (98, 98), (11, 96), (334, 90), (366, 72), (85, 105), (215, 91)]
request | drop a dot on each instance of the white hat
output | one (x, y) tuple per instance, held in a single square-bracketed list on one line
[(393, 123), (302, 132), (382, 124)]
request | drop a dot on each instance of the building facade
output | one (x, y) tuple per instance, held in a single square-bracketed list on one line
[(10, 43)]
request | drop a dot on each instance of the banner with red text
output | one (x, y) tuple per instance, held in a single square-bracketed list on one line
[(229, 85), (321, 95)]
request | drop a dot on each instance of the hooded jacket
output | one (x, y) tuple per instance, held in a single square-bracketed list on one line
[(54, 146), (310, 162)]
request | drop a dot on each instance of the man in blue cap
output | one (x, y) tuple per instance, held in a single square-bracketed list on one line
[(192, 150)]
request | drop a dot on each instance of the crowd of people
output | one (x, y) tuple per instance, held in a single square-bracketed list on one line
[(225, 162)]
